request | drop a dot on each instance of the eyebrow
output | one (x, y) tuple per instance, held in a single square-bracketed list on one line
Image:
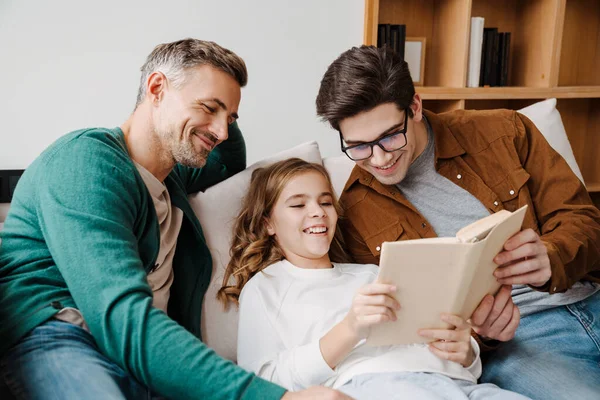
[(222, 105), (386, 132), (304, 196)]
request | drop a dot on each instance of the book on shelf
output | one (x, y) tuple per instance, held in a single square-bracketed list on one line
[(475, 48), (392, 35), (503, 58), (495, 58), (442, 275)]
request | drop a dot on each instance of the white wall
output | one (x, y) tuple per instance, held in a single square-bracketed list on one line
[(72, 64)]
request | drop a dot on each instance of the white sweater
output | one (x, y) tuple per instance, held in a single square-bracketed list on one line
[(286, 310)]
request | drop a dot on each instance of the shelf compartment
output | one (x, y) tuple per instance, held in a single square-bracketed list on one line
[(444, 23), (535, 27), (580, 50)]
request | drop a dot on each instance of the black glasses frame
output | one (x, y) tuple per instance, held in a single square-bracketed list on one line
[(377, 141)]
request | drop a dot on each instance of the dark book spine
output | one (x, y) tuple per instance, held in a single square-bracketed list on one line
[(394, 35), (483, 59), (490, 34), (402, 40), (495, 60), (506, 58), (500, 65), (381, 39)]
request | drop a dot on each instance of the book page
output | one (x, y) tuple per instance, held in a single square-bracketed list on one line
[(428, 274), (441, 275)]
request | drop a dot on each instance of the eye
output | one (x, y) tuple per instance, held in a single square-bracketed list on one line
[(327, 204), (208, 109), (297, 206)]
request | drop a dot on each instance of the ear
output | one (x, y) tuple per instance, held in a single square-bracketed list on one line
[(270, 228), (155, 86), (417, 108)]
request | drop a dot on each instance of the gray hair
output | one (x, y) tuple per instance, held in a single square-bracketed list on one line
[(173, 59)]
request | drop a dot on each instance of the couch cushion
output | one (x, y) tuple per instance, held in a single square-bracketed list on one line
[(217, 209), (547, 119)]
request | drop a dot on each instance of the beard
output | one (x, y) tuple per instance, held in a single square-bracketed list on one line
[(185, 153)]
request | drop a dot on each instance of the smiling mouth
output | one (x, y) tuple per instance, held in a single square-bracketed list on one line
[(390, 165), (315, 230), (206, 141)]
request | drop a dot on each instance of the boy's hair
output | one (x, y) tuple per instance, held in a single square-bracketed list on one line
[(252, 248), (361, 79), (174, 59)]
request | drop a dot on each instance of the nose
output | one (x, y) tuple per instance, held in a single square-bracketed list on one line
[(220, 127), (379, 157), (317, 211)]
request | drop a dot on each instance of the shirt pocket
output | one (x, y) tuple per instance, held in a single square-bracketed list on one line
[(512, 191), (389, 233)]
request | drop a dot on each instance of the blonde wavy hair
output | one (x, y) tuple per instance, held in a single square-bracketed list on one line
[(252, 248)]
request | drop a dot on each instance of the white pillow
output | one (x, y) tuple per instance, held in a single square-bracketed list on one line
[(339, 169), (217, 208), (547, 119)]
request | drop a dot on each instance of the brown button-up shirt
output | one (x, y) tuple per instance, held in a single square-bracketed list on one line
[(502, 159)]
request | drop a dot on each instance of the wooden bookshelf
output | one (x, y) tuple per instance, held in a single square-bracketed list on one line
[(555, 52)]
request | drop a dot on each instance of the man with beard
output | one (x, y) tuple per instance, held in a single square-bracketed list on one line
[(104, 265)]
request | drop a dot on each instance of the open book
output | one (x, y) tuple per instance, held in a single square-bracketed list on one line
[(442, 275)]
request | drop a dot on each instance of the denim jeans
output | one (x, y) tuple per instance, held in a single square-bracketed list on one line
[(555, 354), (58, 361), (422, 386)]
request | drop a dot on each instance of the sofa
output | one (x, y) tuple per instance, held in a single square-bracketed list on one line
[(218, 206)]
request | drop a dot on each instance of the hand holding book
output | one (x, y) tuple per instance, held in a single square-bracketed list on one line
[(524, 260)]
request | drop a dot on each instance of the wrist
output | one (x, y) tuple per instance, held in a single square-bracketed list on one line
[(349, 331)]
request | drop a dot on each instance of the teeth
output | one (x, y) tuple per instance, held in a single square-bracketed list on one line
[(388, 166), (319, 229)]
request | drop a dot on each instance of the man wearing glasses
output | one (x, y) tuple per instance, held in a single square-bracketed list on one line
[(419, 175)]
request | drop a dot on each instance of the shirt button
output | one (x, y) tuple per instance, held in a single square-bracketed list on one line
[(554, 290), (459, 176), (377, 248), (423, 225), (496, 203), (512, 192)]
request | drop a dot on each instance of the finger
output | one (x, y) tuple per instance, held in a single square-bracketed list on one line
[(527, 250), (509, 332), (535, 278), (378, 300), (451, 347), (522, 267), (520, 238), (377, 288), (374, 319), (456, 321), (442, 334), (456, 357), (502, 297), (483, 310), (502, 321), (371, 310)]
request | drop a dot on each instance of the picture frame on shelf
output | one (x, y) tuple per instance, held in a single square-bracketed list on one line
[(414, 54)]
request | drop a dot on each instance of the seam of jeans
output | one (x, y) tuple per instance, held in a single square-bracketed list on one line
[(580, 313)]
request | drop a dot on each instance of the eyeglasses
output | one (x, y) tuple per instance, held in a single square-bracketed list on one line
[(388, 143)]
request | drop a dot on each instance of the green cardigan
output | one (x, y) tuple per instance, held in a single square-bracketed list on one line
[(82, 232)]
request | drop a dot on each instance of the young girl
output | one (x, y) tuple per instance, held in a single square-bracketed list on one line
[(303, 318)]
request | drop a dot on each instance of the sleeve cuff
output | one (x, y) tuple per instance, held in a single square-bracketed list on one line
[(262, 389), (311, 366), (485, 344), (475, 368)]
